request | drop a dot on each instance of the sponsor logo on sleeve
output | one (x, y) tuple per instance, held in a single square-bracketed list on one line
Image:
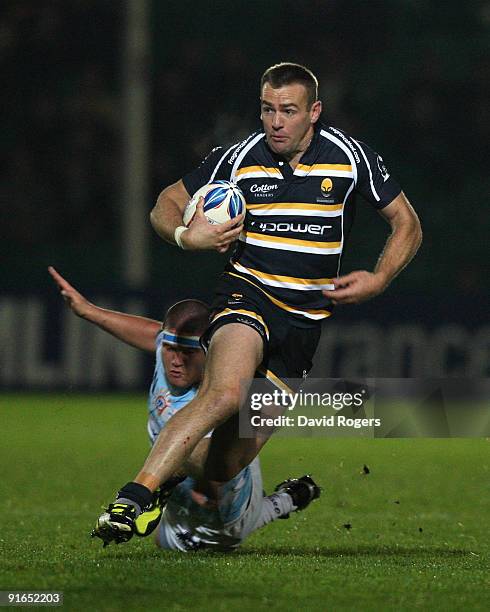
[(239, 147), (382, 168), (348, 142)]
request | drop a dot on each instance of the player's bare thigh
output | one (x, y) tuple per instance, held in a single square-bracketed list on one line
[(235, 352)]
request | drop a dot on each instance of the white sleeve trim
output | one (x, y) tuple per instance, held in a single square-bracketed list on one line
[(345, 149), (211, 179), (375, 193), (244, 151)]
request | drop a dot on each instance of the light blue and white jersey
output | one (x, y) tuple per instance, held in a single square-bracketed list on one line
[(164, 400), (187, 526)]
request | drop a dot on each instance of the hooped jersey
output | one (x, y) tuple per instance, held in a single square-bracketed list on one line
[(297, 222), (164, 400)]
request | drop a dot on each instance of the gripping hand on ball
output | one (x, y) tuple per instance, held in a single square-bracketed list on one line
[(202, 235)]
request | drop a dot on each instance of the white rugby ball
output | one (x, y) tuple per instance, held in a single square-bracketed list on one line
[(222, 201)]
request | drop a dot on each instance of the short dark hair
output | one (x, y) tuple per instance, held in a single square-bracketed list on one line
[(287, 73), (188, 317)]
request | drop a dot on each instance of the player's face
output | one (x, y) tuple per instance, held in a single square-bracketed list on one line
[(183, 366), (287, 119)]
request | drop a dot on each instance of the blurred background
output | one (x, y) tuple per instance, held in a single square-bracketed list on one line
[(108, 101)]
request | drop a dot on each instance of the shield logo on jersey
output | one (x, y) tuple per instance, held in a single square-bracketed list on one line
[(326, 186), (162, 402)]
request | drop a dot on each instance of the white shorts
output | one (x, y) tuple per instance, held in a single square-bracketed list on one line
[(187, 526)]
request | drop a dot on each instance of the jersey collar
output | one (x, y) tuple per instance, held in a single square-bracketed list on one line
[(308, 156)]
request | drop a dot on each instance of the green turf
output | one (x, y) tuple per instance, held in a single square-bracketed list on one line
[(418, 536)]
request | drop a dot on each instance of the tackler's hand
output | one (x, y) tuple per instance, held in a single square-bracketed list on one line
[(75, 300)]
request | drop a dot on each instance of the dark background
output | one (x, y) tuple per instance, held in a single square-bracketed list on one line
[(410, 78)]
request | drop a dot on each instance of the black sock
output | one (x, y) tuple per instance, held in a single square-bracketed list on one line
[(137, 494)]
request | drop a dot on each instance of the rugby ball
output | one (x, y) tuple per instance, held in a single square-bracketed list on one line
[(222, 201)]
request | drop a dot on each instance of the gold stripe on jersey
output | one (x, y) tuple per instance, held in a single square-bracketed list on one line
[(310, 313), (291, 244), (258, 172), (340, 170), (296, 208), (249, 313), (288, 282), (277, 382)]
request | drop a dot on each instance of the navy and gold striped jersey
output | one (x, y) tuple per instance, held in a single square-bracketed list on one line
[(297, 221)]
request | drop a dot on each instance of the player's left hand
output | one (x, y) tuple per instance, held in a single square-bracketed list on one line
[(356, 287)]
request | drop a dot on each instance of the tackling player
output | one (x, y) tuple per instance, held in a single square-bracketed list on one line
[(189, 522)]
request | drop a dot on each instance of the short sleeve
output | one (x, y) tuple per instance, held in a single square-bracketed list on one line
[(374, 181), (201, 175)]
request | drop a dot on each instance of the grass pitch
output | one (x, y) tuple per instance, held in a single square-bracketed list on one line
[(413, 533)]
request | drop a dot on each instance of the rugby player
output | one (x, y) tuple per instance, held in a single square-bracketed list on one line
[(300, 179), (188, 522)]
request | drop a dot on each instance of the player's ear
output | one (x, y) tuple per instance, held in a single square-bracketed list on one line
[(315, 111)]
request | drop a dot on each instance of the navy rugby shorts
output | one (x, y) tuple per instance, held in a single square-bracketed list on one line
[(289, 343)]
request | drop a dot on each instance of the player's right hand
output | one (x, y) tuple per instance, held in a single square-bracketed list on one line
[(72, 297), (202, 235)]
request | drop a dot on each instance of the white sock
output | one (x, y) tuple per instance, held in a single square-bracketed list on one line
[(273, 507)]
